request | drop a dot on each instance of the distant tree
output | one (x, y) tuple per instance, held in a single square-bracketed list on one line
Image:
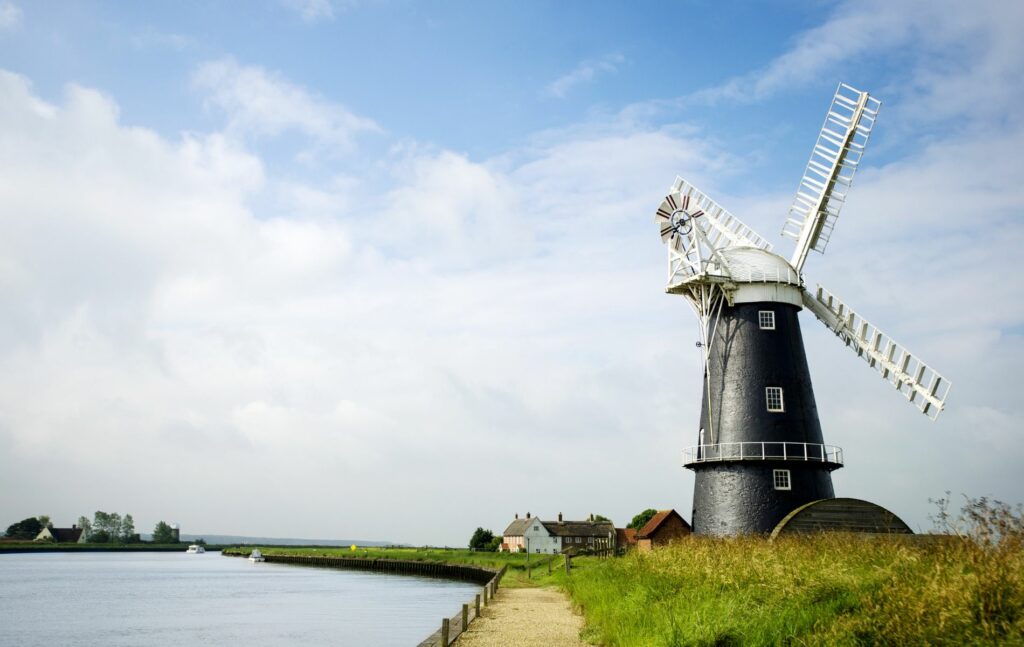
[(641, 519), (481, 539), (44, 521), (86, 526), (162, 533), (127, 531), (495, 544), (601, 517), (24, 529), (106, 527)]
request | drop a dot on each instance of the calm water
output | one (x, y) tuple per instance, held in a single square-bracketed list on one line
[(174, 599)]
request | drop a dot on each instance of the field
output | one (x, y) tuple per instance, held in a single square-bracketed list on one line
[(838, 590), (963, 588)]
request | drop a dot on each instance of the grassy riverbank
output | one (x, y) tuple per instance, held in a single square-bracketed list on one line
[(843, 590), (961, 589), (516, 562)]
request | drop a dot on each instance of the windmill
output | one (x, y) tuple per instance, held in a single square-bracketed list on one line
[(760, 452)]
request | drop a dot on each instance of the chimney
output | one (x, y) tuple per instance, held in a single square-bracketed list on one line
[(591, 516), (517, 515), (527, 515), (559, 516), (74, 526)]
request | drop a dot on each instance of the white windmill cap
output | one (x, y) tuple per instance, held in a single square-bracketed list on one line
[(753, 265)]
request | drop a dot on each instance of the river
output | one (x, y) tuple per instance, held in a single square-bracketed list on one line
[(175, 599)]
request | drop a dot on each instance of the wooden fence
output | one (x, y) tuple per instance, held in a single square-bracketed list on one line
[(451, 628)]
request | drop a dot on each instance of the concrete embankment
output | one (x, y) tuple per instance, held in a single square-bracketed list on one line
[(475, 574)]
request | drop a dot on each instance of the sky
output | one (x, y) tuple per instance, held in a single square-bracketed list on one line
[(387, 270)]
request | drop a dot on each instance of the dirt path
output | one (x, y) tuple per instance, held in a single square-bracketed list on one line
[(525, 617)]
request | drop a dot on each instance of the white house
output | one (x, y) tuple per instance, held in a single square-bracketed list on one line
[(551, 537), (72, 535)]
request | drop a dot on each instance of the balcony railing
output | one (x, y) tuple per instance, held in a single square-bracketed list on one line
[(766, 451)]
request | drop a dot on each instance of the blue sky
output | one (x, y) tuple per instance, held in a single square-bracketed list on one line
[(313, 246)]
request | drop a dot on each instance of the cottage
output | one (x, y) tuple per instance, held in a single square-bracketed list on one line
[(661, 529), (512, 540), (552, 537), (625, 538), (72, 535)]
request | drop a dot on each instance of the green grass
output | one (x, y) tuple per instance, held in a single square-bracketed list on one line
[(517, 563), (831, 589)]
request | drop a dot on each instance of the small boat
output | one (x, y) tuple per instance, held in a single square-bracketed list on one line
[(195, 548), (256, 556)]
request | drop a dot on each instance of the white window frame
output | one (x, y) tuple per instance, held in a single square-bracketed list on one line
[(782, 480), (769, 391), (766, 319)]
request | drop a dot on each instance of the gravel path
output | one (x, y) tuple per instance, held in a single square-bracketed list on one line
[(525, 617)]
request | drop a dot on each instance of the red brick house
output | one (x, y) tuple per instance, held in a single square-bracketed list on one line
[(663, 527)]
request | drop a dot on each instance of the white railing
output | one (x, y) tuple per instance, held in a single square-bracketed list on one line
[(766, 451)]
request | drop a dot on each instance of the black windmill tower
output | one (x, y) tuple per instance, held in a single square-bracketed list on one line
[(760, 452)]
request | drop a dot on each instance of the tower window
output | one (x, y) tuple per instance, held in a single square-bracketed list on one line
[(766, 319), (773, 396), (781, 479)]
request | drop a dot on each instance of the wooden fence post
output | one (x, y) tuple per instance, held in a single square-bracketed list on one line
[(568, 566), (465, 616), (549, 565), (444, 632), (485, 595), (477, 605)]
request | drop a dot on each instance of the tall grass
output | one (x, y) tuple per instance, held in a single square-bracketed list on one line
[(966, 587)]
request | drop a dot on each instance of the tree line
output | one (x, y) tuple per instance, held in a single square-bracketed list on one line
[(103, 528)]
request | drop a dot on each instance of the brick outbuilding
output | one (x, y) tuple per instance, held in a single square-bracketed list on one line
[(661, 529)]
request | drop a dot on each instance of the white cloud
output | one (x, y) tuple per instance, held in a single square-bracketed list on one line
[(261, 103), (490, 320), (966, 61), (10, 15), (348, 347), (585, 72)]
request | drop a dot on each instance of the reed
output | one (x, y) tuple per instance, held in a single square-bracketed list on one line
[(963, 587)]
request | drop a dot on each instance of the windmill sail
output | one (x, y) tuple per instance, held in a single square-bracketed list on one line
[(834, 161), (724, 229), (697, 229), (921, 384)]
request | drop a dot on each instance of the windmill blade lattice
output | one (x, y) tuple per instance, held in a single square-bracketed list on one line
[(724, 229), (834, 161), (697, 229), (921, 384)]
